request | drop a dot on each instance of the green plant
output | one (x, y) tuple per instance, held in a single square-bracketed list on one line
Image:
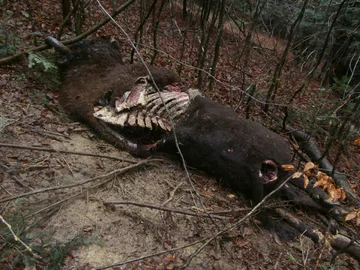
[(43, 70), (52, 256), (36, 60), (341, 86)]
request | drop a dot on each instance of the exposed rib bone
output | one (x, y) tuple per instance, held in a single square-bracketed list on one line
[(154, 120), (144, 107), (132, 118), (161, 124), (135, 97), (148, 122), (140, 120)]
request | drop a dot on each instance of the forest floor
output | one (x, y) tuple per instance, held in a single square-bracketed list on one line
[(72, 228)]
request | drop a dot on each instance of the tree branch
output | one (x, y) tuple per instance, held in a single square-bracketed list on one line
[(65, 152), (118, 171), (162, 208)]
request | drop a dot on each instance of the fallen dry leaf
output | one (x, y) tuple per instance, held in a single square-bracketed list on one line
[(288, 167), (334, 193), (350, 216), (357, 142), (310, 165), (343, 194), (297, 175), (306, 181)]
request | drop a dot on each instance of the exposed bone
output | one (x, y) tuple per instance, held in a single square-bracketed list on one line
[(151, 97), (180, 108), (121, 100), (154, 120), (167, 125), (148, 122), (160, 102), (174, 103), (121, 119), (105, 114), (132, 119), (161, 124), (135, 97), (193, 93), (145, 107), (140, 120)]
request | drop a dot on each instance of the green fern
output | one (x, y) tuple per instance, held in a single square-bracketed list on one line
[(37, 60)]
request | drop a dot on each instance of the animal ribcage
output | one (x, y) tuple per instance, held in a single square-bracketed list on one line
[(145, 107)]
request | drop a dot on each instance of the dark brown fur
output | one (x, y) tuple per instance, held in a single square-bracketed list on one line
[(212, 137), (95, 68)]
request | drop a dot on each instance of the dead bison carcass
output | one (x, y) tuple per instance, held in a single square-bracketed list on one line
[(114, 98), (211, 137), (93, 73)]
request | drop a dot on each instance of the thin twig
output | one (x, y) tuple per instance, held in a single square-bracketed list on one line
[(68, 198), (192, 256), (207, 239), (162, 208), (118, 171), (171, 197), (54, 204), (65, 152), (16, 238), (67, 164), (152, 255)]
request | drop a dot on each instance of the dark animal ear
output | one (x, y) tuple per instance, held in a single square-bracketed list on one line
[(114, 44), (269, 171)]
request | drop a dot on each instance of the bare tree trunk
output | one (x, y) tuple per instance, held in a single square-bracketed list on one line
[(155, 30), (67, 20), (217, 43), (139, 29), (205, 39), (276, 77), (249, 101), (248, 41), (79, 7), (66, 8), (322, 52), (182, 51), (184, 11)]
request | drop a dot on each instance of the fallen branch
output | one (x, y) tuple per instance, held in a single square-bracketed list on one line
[(152, 255), (68, 198), (308, 231), (162, 208), (65, 152), (337, 242), (344, 244), (118, 171), (310, 147)]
